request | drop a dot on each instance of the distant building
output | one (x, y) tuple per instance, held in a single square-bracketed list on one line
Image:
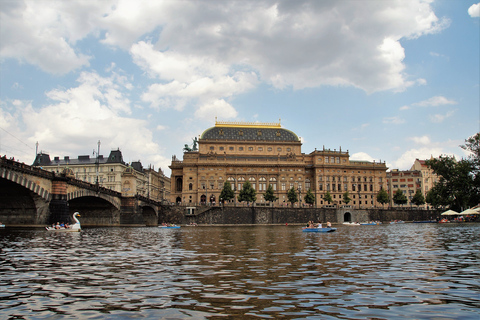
[(267, 154), (109, 173), (429, 178), (408, 181), (419, 177)]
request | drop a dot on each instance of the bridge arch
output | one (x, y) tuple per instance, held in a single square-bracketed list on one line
[(80, 193), (23, 181)]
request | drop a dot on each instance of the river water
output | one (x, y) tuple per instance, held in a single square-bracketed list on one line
[(403, 271)]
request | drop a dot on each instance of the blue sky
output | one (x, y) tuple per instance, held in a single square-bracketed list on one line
[(385, 80)]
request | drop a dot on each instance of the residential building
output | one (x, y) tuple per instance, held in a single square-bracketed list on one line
[(109, 173)]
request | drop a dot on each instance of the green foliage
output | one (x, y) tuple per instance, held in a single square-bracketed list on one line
[(382, 196), (328, 197), (309, 197), (399, 197), (269, 194), (227, 192), (292, 196), (346, 197), (418, 199), (247, 193), (458, 186), (434, 199)]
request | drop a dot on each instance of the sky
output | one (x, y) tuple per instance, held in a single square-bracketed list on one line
[(389, 81)]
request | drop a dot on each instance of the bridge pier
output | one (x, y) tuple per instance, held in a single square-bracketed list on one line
[(59, 204)]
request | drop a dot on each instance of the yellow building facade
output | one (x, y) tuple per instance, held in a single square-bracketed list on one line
[(267, 154)]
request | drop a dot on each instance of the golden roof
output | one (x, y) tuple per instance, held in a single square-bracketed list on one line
[(240, 124)]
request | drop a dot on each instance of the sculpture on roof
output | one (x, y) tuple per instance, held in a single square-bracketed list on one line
[(194, 146)]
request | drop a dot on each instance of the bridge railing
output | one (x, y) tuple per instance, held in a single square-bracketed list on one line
[(24, 168), (93, 187)]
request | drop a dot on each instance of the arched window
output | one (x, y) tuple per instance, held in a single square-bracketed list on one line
[(273, 182), (262, 184), (190, 186), (178, 184)]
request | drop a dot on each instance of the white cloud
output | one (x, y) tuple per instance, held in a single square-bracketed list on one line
[(94, 110), (406, 160), (219, 108), (361, 156), (190, 79), (306, 44), (438, 118), (393, 120), (425, 140), (434, 102), (474, 10)]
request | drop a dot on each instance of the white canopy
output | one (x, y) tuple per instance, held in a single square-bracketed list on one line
[(450, 213), (475, 210)]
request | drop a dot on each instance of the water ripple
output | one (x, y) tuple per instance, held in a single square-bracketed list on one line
[(416, 271)]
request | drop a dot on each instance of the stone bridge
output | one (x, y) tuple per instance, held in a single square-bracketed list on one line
[(30, 196)]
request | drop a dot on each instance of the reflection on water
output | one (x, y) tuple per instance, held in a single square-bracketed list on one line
[(415, 271)]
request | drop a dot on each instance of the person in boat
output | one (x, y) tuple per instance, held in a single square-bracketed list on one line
[(319, 225), (329, 225), (62, 225), (57, 226)]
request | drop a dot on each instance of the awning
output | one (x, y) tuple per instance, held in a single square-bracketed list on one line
[(450, 213)]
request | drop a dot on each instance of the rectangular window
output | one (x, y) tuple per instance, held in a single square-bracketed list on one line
[(283, 186)]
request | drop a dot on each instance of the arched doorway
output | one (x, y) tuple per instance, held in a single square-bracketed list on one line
[(178, 200), (203, 199), (347, 217)]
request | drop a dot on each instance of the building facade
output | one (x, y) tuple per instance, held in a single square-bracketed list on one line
[(110, 173), (267, 154), (419, 177), (429, 178)]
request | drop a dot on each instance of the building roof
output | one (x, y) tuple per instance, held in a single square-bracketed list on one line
[(43, 159), (248, 131)]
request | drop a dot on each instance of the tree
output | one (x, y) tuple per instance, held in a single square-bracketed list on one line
[(328, 197), (309, 197), (292, 196), (346, 197), (433, 198), (247, 193), (227, 192), (269, 194), (382, 197), (458, 186), (399, 197), (418, 199)]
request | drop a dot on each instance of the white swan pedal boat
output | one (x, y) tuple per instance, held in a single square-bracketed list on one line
[(73, 228)]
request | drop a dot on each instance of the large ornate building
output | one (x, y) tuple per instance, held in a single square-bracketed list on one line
[(267, 154)]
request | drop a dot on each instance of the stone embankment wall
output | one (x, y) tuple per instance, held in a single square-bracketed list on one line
[(270, 215)]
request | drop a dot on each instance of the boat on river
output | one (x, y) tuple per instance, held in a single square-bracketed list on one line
[(397, 221), (371, 223), (306, 229), (170, 227), (73, 228), (351, 223)]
